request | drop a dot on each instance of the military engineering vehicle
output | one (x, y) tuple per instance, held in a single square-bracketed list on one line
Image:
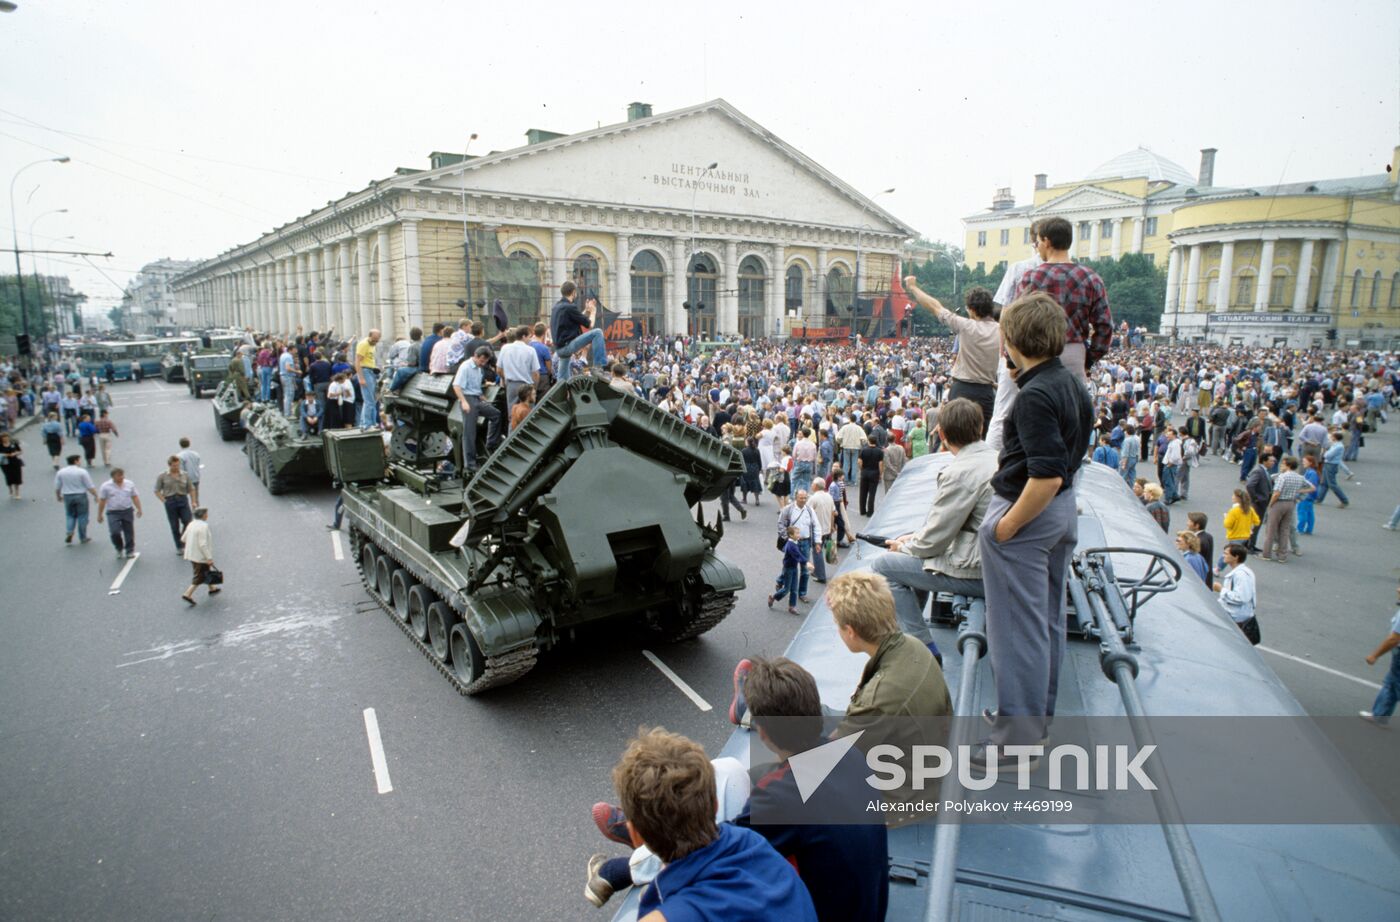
[(172, 367), (588, 512), (204, 371), (228, 411), (277, 452)]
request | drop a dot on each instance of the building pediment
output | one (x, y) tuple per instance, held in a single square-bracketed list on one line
[(661, 162), (1087, 198)]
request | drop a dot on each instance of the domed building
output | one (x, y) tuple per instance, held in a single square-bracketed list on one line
[(1303, 264)]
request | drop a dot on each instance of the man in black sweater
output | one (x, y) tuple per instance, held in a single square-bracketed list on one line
[(1031, 525)]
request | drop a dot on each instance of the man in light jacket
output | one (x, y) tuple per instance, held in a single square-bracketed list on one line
[(943, 556), (199, 551)]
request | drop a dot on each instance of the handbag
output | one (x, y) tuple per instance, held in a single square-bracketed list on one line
[(1251, 630), (214, 576), (829, 548), (782, 543)]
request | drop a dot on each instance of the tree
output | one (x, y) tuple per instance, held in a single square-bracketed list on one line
[(1137, 288), (40, 319)]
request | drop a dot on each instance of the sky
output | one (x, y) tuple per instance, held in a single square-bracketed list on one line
[(193, 127)]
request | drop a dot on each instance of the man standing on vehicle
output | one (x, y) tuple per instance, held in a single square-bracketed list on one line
[(467, 385), (367, 373), (1078, 290), (519, 364), (573, 330)]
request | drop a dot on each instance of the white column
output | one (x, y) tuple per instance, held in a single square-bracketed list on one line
[(292, 296), (1300, 289), (1094, 235), (268, 297), (622, 275), (316, 315), (1191, 294), (1139, 228), (412, 274), (777, 293), (363, 300), (1173, 280), (727, 319), (558, 259), (1227, 274), (279, 295), (331, 291), (1266, 277), (286, 303), (346, 292), (679, 318), (816, 313), (1331, 262), (1116, 249), (386, 289)]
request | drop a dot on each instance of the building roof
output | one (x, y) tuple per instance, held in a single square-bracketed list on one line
[(1143, 162)]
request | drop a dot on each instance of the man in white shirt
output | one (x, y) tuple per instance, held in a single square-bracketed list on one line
[(190, 464), (118, 501), (1236, 588), (850, 438), (519, 363), (799, 514), (1171, 466), (72, 486), (1006, 385)]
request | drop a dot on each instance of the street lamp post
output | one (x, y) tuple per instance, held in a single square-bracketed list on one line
[(14, 226), (466, 233)]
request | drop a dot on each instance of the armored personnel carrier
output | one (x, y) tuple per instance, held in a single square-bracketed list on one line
[(277, 452), (588, 512), (228, 411), (172, 367), (204, 371)]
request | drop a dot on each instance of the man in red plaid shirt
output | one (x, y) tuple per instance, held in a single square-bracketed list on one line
[(1080, 292)]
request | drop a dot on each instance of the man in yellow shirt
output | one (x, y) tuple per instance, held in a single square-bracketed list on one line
[(367, 374)]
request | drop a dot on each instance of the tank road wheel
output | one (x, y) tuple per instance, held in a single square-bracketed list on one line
[(369, 557), (693, 614), (419, 598), (401, 582), (383, 573), (468, 662), (276, 483), (441, 619)]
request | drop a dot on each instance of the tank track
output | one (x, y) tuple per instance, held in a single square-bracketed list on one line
[(500, 670), (714, 608)]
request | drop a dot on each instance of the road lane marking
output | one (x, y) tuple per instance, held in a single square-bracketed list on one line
[(376, 752), (1306, 662), (677, 681), (335, 546), (121, 577)]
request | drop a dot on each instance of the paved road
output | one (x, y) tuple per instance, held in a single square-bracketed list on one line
[(175, 763)]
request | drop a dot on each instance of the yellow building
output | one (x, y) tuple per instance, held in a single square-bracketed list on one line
[(696, 206), (1266, 265)]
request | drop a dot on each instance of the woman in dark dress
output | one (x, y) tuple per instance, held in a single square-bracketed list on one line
[(750, 482), (13, 464)]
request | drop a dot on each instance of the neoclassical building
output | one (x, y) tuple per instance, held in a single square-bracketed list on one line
[(700, 205), (1266, 265)]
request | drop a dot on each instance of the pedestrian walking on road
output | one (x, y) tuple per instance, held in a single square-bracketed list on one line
[(12, 462), (52, 430), (118, 501), (87, 437), (72, 486), (199, 551), (190, 464), (173, 489), (1389, 694), (106, 431)]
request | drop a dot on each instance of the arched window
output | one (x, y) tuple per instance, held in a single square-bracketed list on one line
[(751, 291), (1356, 288), (700, 292), (1212, 290), (522, 254), (1375, 290), (648, 279), (586, 276), (839, 293), (1395, 290), (1279, 289), (792, 288), (1244, 291), (516, 282)]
